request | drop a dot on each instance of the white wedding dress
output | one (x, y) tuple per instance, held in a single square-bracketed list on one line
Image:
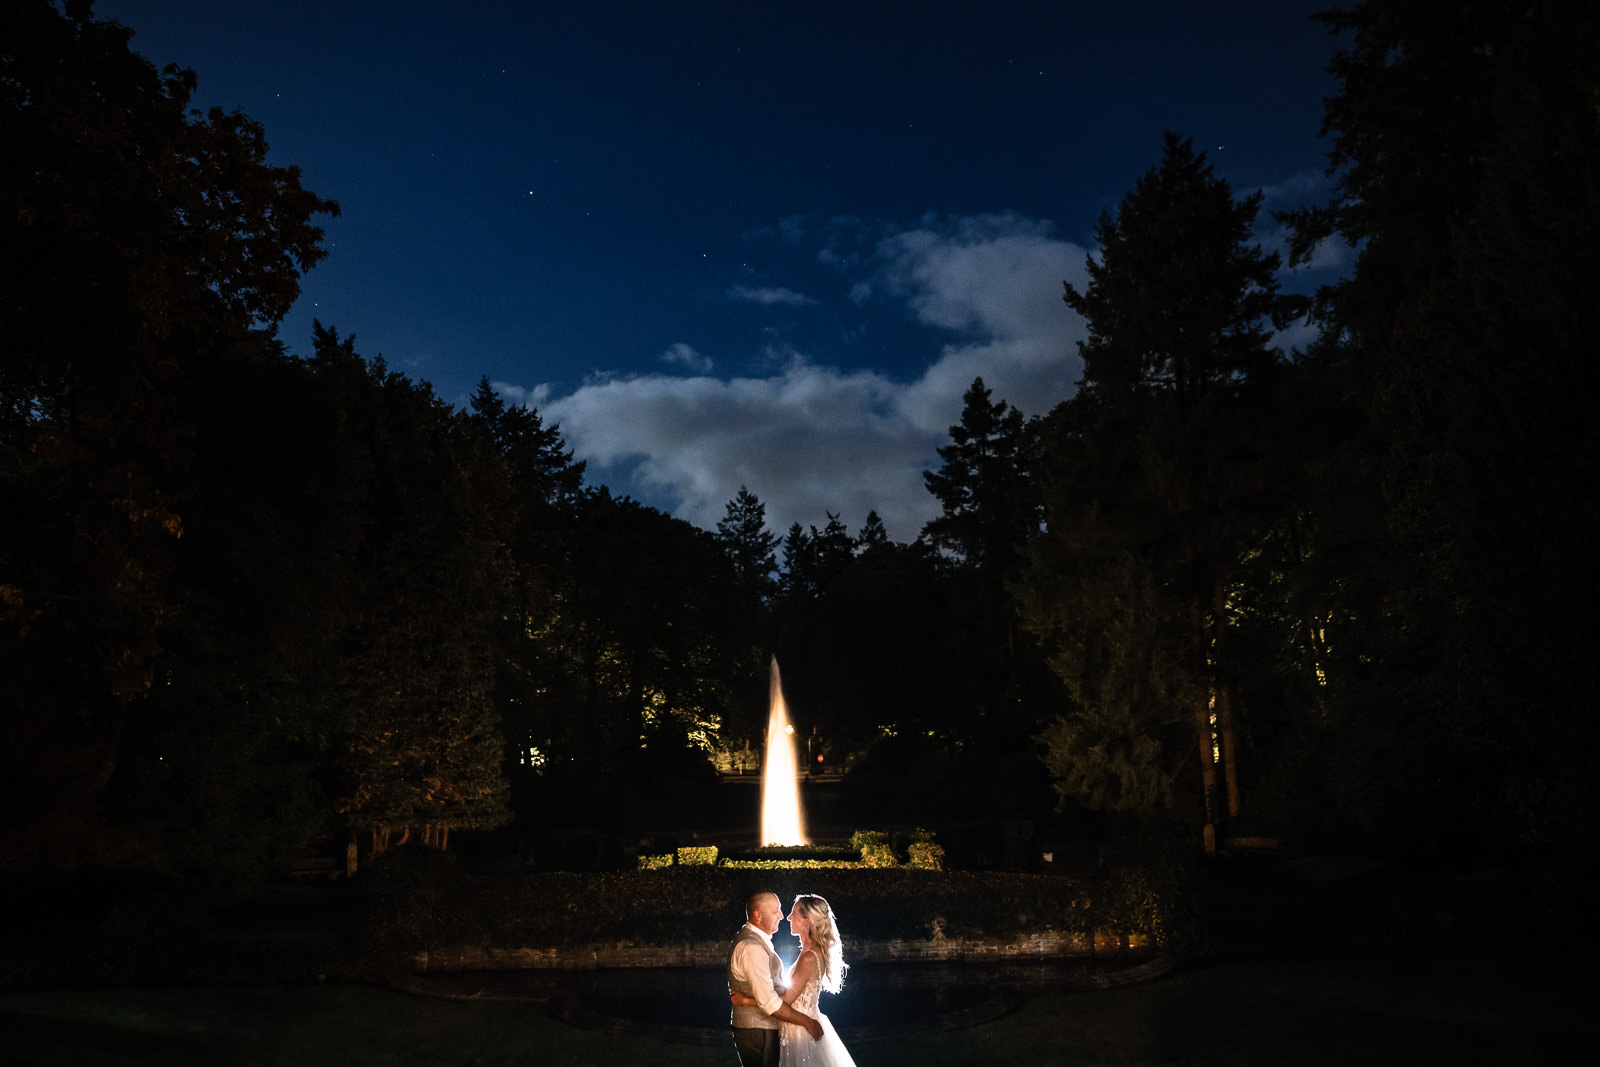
[(797, 1048)]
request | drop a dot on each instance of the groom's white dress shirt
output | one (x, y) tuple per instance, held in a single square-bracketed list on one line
[(751, 964)]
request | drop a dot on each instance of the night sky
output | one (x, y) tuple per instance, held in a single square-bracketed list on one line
[(759, 244)]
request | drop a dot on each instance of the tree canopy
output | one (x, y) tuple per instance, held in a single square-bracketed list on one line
[(250, 602)]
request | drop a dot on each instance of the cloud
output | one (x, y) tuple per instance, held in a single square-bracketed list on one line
[(769, 296), (994, 280), (520, 396), (806, 441), (812, 438), (1330, 257), (686, 357)]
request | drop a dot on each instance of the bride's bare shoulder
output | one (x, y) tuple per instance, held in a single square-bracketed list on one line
[(805, 966)]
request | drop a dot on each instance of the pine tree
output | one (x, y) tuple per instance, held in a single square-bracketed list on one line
[(1151, 473), (984, 489), (1465, 156), (873, 533), (750, 546), (989, 512)]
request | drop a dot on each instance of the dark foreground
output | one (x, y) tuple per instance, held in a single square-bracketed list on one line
[(1445, 1010)]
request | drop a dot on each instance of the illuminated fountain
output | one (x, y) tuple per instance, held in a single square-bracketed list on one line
[(781, 823)]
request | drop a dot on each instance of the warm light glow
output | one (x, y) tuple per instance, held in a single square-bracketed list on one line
[(780, 775)]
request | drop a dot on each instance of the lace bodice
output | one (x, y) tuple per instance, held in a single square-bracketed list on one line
[(806, 1002), (797, 1049)]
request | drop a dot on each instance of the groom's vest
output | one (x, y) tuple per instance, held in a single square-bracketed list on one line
[(749, 1015)]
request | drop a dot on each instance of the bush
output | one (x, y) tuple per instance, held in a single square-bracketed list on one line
[(697, 856), (417, 900), (1146, 885), (707, 904), (776, 855), (874, 848)]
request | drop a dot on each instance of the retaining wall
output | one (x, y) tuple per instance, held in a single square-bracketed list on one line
[(1049, 945)]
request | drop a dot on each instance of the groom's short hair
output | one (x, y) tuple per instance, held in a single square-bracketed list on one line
[(750, 905)]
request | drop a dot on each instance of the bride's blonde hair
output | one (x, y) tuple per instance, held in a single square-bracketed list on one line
[(825, 939)]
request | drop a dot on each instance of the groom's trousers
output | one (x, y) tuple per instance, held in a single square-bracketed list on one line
[(756, 1048)]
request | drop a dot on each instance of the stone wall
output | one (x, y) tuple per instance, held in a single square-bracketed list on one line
[(1049, 945)]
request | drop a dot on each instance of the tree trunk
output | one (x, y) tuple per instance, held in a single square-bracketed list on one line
[(1222, 688), (1316, 649), (1202, 722)]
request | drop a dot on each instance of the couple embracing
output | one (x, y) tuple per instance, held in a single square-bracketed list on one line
[(775, 1018)]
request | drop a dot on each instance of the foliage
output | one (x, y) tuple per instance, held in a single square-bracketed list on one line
[(417, 898), (987, 497), (1122, 746), (697, 856), (241, 591), (1465, 159), (150, 253), (1147, 885), (864, 656), (686, 904), (874, 848), (990, 510), (750, 546), (421, 746), (781, 853), (805, 862), (1154, 480)]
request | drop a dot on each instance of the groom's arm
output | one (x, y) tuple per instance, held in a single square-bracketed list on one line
[(799, 1018), (785, 1013), (767, 998), (750, 964)]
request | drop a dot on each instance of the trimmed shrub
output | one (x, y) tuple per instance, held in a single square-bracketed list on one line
[(874, 848), (697, 856), (1146, 885)]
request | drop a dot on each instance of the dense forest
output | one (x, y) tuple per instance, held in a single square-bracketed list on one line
[(1342, 595)]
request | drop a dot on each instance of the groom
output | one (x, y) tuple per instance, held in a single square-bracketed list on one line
[(755, 970)]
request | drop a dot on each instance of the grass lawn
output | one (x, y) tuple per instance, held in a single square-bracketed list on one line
[(1451, 1011)]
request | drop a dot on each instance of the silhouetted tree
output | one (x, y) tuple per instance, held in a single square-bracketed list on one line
[(1465, 154), (1154, 476), (873, 534), (542, 467), (651, 642), (989, 508), (542, 499), (142, 241), (421, 749), (989, 511), (750, 546)]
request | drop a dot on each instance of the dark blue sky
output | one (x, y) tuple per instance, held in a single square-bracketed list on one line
[(742, 243)]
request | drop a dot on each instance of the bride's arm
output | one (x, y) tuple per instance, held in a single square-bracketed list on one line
[(805, 968)]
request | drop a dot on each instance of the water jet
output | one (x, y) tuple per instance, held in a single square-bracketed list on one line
[(781, 819)]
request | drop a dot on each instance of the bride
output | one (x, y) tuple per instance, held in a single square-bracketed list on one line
[(820, 966)]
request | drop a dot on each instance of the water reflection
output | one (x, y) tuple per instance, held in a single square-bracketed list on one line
[(873, 994)]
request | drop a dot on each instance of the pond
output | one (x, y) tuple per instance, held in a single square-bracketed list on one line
[(873, 994), (1505, 1010)]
